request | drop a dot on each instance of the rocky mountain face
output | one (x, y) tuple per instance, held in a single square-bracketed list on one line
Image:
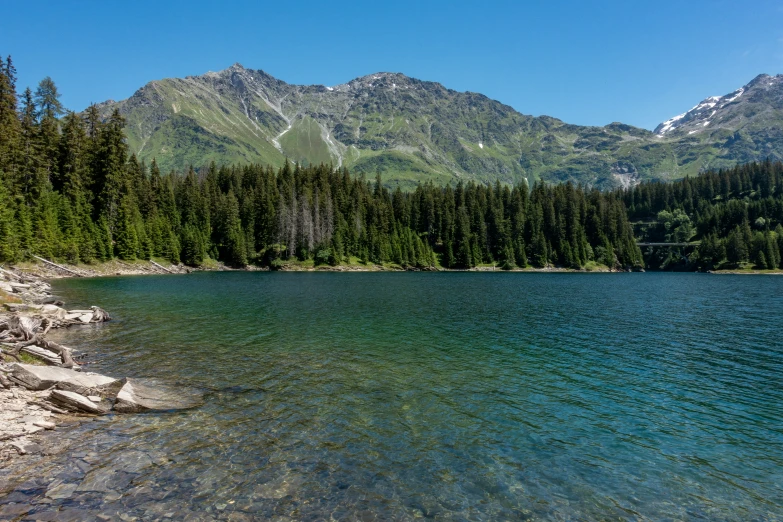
[(412, 131), (742, 126)]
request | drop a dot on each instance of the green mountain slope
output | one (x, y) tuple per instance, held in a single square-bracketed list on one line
[(411, 131)]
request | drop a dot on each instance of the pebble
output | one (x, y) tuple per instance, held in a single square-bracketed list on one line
[(94, 398), (45, 425)]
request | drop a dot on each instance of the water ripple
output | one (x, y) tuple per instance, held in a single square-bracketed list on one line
[(447, 396)]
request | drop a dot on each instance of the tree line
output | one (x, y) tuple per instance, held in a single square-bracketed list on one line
[(735, 214), (70, 190)]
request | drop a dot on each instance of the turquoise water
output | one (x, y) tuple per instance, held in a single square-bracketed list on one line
[(460, 396)]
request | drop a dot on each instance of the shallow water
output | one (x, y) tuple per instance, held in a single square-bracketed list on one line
[(465, 396)]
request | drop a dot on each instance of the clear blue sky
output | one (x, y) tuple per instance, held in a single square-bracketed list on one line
[(590, 63)]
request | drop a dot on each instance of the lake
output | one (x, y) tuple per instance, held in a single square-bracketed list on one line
[(457, 396)]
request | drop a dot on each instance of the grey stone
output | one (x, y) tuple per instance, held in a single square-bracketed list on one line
[(54, 311), (25, 447), (12, 511), (43, 377), (29, 429), (61, 491), (97, 480), (45, 425), (132, 461), (75, 402), (137, 397)]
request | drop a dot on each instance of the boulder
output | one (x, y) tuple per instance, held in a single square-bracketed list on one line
[(75, 402), (43, 377), (137, 396), (53, 311), (44, 424)]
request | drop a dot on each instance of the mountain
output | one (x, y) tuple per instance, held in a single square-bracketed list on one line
[(411, 131), (742, 126)]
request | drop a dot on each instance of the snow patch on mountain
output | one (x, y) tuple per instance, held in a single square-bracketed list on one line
[(698, 112)]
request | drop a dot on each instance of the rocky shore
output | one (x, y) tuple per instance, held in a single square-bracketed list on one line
[(42, 385)]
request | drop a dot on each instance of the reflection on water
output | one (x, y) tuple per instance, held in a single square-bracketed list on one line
[(449, 396)]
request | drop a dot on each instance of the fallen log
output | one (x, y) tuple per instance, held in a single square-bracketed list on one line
[(43, 354), (10, 274), (161, 267), (77, 274), (64, 352)]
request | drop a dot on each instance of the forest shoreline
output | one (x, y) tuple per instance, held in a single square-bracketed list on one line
[(117, 268)]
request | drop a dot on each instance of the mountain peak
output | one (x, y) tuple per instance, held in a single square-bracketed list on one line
[(412, 131), (718, 109)]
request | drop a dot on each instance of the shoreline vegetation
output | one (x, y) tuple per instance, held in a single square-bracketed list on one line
[(71, 192)]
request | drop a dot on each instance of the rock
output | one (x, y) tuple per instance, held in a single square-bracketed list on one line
[(14, 511), (61, 491), (94, 398), (25, 446), (132, 461), (43, 377), (85, 318), (79, 312), (45, 425), (137, 397), (75, 402), (53, 311)]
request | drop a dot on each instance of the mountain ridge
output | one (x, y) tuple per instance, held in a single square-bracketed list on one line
[(410, 131)]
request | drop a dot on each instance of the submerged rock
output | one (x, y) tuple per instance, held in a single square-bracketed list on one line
[(137, 397)]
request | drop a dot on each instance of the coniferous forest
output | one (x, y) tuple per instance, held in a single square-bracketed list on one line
[(71, 191)]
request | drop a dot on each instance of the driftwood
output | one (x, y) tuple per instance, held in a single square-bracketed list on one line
[(99, 315), (161, 267), (10, 274), (77, 274), (27, 331)]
